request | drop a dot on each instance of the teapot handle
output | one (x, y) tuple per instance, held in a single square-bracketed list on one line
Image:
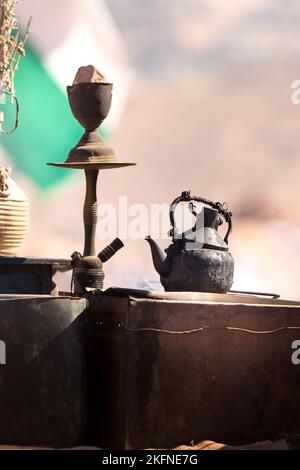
[(186, 197)]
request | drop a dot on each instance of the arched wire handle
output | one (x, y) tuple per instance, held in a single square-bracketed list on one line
[(186, 197), (17, 115)]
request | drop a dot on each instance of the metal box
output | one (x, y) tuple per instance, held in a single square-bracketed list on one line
[(172, 368), (20, 275), (43, 397)]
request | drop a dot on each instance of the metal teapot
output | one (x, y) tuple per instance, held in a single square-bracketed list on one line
[(198, 260)]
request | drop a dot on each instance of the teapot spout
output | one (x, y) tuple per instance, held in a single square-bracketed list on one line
[(160, 260)]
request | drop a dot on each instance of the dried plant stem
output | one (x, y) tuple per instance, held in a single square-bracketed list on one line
[(11, 44)]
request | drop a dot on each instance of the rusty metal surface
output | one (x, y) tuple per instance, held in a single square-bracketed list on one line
[(106, 373), (166, 372), (234, 297), (43, 383)]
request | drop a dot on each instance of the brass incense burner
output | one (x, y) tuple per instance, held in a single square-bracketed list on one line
[(90, 103)]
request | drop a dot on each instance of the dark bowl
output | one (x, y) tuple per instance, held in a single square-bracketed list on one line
[(90, 103)]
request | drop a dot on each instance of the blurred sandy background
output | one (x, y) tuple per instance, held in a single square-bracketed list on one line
[(209, 109)]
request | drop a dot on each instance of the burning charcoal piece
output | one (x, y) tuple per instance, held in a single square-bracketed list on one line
[(89, 74)]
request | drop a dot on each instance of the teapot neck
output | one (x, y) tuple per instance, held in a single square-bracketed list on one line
[(209, 218), (205, 234)]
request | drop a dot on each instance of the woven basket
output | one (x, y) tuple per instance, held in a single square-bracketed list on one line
[(14, 214)]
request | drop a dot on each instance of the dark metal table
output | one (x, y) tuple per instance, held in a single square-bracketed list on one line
[(42, 370), (168, 368), (29, 275)]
